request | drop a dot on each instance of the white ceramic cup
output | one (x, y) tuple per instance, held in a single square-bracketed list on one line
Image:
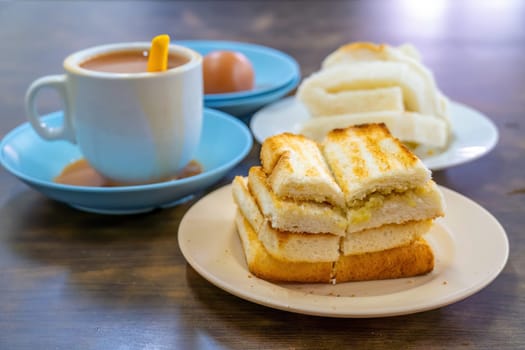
[(131, 127)]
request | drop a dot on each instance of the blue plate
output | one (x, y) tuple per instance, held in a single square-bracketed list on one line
[(273, 69), (246, 106), (225, 142)]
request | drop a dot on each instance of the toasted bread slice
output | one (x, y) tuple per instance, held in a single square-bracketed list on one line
[(406, 126), (296, 169), (366, 159), (410, 260), (294, 216), (321, 103), (280, 244), (384, 237), (305, 247), (422, 203), (246, 203), (265, 266)]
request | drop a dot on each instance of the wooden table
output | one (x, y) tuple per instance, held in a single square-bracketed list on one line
[(72, 280)]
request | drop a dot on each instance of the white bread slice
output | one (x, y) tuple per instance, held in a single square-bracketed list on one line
[(384, 237), (422, 203), (406, 126), (366, 159), (368, 51), (280, 244), (418, 94), (294, 216), (321, 103), (265, 266), (297, 170), (413, 259), (359, 52)]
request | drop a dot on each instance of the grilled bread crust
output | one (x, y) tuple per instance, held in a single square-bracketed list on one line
[(366, 159), (297, 169), (291, 246), (409, 260), (413, 259), (265, 266)]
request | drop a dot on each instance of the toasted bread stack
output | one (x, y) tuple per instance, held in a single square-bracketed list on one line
[(368, 83), (351, 208)]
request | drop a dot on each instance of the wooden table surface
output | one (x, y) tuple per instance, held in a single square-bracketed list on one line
[(73, 280)]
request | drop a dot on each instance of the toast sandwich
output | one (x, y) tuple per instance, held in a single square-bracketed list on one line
[(354, 207)]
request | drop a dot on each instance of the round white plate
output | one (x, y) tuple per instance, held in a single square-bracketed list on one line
[(474, 133), (470, 247)]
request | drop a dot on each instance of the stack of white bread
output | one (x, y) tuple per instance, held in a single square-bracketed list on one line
[(367, 83), (353, 207)]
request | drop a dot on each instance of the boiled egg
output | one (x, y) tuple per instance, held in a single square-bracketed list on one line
[(227, 71)]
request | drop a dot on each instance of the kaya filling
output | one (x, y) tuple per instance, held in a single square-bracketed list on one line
[(361, 210)]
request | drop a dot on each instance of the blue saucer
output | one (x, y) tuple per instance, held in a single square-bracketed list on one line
[(225, 142), (248, 105), (273, 69)]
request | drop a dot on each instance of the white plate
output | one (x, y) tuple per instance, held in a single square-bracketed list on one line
[(474, 133), (470, 247)]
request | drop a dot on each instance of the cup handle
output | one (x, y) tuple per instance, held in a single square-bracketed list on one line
[(63, 132)]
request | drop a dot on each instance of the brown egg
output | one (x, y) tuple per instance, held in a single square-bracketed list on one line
[(227, 71)]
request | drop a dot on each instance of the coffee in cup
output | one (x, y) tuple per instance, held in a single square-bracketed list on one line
[(133, 61), (132, 126)]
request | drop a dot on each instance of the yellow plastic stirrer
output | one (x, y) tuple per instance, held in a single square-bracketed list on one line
[(158, 54)]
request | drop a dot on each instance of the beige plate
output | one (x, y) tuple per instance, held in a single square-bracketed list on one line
[(470, 246)]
